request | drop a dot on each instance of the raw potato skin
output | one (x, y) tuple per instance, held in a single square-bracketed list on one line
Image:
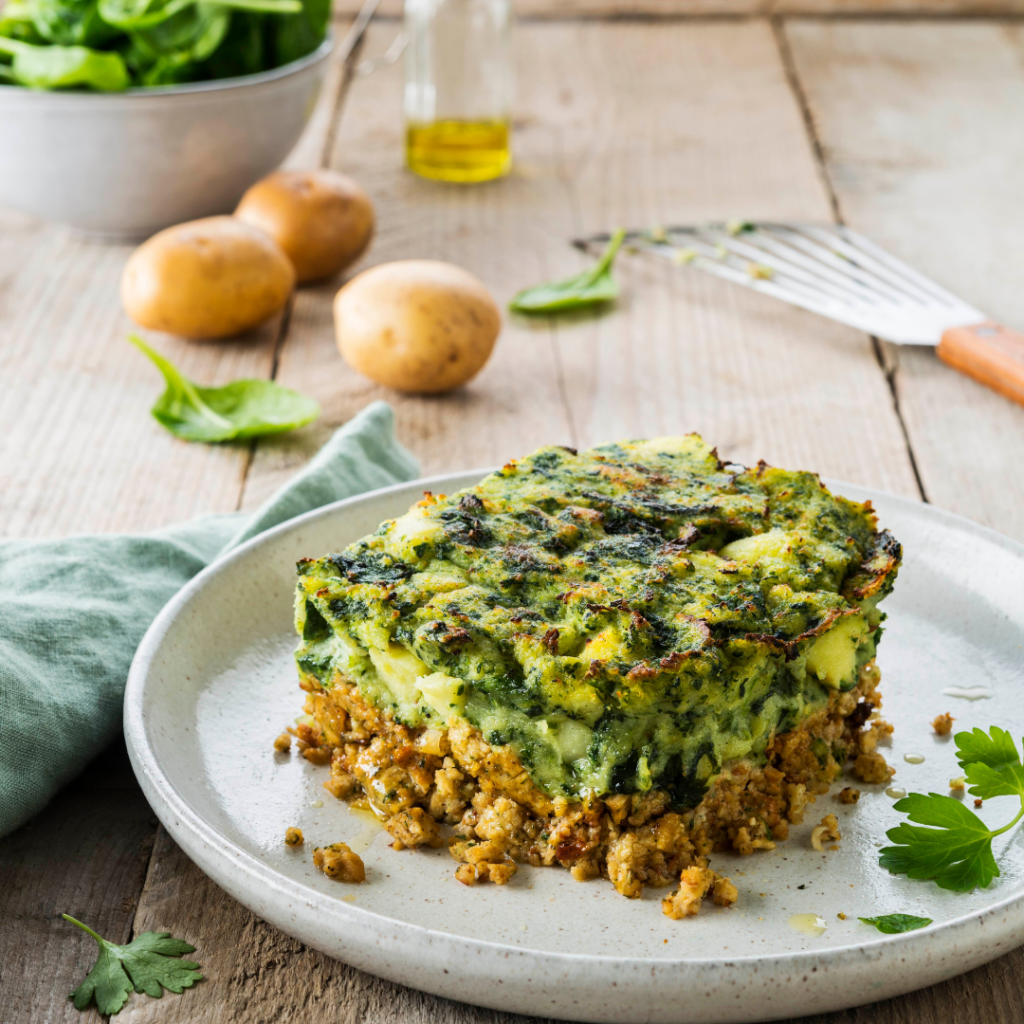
[(209, 278), (321, 219), (416, 325)]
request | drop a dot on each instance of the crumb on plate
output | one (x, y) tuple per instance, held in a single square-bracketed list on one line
[(337, 861), (826, 832)]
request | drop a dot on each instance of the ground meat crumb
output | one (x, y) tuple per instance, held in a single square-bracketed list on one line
[(869, 738), (317, 755), (943, 724), (724, 892), (872, 768), (413, 827), (958, 784), (482, 862), (977, 803), (826, 832), (337, 861), (294, 837), (341, 785), (848, 795), (694, 884), (283, 743)]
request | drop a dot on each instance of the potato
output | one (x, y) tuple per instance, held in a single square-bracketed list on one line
[(209, 278), (416, 325), (323, 220)]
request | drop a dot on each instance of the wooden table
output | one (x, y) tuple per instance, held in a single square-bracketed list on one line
[(906, 127)]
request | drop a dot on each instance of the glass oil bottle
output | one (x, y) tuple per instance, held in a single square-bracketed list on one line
[(458, 88)]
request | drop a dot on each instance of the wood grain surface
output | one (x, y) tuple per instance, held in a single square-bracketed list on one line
[(647, 9), (619, 121), (920, 128), (85, 855)]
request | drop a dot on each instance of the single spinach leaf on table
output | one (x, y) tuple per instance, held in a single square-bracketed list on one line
[(894, 924), (64, 67), (592, 287), (243, 408)]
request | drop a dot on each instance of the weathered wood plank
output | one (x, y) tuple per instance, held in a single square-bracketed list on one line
[(562, 9), (678, 124), (254, 973), (78, 451), (920, 126), (84, 855), (570, 154), (516, 403), (77, 395)]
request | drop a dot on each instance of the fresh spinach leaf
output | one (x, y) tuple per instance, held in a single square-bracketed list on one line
[(64, 22), (591, 288), (243, 408), (295, 35), (64, 67), (108, 45), (893, 924), (242, 52)]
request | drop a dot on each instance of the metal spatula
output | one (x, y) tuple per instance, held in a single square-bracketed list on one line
[(834, 271)]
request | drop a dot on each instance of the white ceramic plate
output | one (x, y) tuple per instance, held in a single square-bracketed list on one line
[(213, 683)]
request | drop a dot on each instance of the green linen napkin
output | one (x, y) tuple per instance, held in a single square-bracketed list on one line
[(73, 611)]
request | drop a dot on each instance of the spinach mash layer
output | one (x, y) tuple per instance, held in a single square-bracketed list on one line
[(627, 618)]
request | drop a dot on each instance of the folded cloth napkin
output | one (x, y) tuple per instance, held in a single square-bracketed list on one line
[(73, 611)]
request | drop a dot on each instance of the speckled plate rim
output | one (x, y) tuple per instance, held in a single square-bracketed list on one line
[(567, 985)]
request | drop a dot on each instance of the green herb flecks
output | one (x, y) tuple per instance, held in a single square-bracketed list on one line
[(956, 850), (243, 408), (894, 924), (109, 45), (591, 288), (149, 963)]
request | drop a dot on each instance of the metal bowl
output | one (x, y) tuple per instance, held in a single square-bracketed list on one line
[(120, 166)]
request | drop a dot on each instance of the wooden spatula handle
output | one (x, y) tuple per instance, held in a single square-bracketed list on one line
[(988, 352)]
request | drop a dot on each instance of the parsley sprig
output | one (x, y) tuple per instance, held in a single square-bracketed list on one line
[(149, 963), (956, 849)]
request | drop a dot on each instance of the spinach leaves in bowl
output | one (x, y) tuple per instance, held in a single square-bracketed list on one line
[(110, 45)]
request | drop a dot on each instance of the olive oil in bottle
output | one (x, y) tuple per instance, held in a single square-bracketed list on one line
[(458, 88), (458, 150)]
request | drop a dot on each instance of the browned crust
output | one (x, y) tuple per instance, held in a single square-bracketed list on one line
[(501, 817)]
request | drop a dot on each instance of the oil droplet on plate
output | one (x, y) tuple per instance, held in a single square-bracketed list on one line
[(810, 924), (895, 792), (968, 692), (370, 825), (914, 758)]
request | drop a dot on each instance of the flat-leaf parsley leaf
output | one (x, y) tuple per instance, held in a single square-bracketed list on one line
[(243, 408), (149, 963), (592, 287), (956, 851), (893, 924)]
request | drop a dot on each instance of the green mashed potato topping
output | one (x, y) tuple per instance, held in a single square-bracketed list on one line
[(627, 618)]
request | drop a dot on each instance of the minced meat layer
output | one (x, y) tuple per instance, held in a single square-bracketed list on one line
[(418, 779)]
